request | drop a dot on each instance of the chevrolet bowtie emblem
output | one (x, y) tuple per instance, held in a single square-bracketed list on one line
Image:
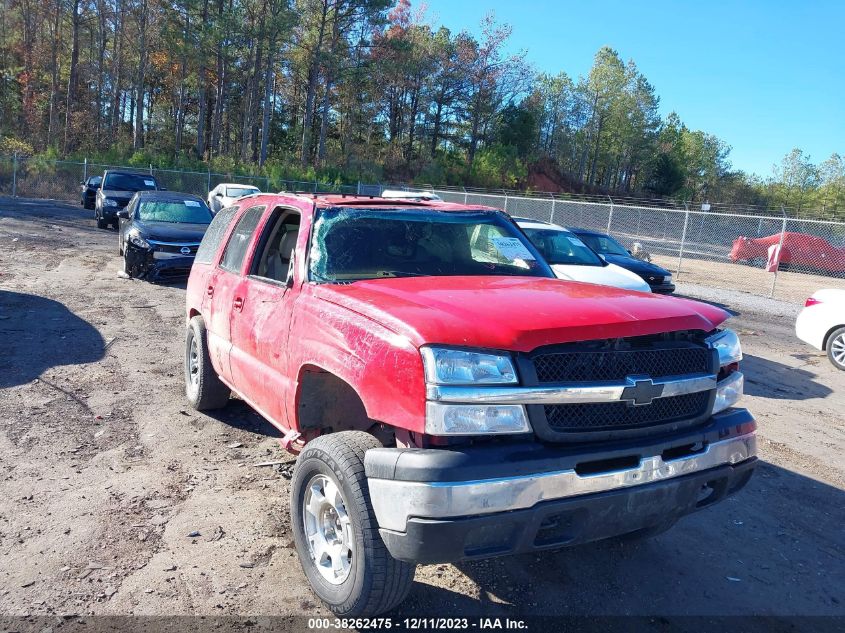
[(641, 390)]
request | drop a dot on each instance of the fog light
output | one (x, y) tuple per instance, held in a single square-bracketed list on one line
[(728, 391), (471, 419)]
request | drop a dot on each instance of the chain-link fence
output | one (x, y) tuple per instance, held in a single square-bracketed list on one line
[(765, 254)]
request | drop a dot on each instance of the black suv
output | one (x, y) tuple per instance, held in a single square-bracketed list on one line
[(116, 190)]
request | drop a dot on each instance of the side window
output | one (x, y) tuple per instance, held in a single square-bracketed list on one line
[(214, 235), (233, 256), (275, 250)]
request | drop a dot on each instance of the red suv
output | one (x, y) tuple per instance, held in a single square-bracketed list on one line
[(448, 397)]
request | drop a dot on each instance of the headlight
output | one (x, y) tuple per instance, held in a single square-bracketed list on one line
[(727, 344), (667, 279), (471, 419), (728, 391), (137, 240), (110, 203), (445, 366)]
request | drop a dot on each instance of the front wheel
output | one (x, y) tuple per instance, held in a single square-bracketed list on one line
[(836, 348), (336, 532), (102, 223)]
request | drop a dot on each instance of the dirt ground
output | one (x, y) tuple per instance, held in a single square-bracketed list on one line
[(790, 286), (115, 498)]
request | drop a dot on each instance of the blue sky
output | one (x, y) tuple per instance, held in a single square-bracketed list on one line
[(763, 76)]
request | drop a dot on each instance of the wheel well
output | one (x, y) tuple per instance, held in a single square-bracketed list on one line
[(192, 313), (326, 402), (829, 333)]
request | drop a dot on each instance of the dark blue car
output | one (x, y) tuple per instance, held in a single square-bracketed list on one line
[(659, 279)]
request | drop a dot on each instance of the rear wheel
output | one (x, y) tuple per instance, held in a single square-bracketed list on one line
[(203, 387), (836, 348), (336, 532)]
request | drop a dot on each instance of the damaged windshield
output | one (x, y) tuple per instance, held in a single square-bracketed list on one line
[(186, 211), (354, 244)]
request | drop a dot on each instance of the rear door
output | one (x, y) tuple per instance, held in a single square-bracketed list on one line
[(220, 289), (261, 325)]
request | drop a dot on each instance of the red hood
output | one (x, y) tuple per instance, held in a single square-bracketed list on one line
[(515, 313)]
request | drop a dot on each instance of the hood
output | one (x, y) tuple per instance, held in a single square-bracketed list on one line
[(637, 266), (171, 231), (515, 313), (117, 194), (610, 275)]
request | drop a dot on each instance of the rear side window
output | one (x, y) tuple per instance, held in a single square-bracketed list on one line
[(233, 256), (214, 236)]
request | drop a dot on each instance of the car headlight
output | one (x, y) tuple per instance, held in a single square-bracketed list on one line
[(445, 366), (667, 278), (472, 419), (726, 342), (110, 203), (728, 391), (137, 240)]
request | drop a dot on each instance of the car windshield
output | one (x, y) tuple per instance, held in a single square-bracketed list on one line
[(354, 244), (185, 211), (237, 192), (563, 247), (604, 244), (129, 182)]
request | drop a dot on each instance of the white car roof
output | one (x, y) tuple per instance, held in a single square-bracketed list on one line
[(527, 224), (411, 195), (235, 184)]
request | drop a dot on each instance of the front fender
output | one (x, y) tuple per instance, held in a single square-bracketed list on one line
[(384, 368)]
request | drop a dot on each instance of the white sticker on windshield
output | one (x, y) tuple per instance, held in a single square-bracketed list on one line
[(191, 203), (511, 248), (575, 240), (150, 183)]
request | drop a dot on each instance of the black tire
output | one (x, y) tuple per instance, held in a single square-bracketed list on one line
[(119, 246), (101, 222), (376, 581), (834, 349), (203, 387)]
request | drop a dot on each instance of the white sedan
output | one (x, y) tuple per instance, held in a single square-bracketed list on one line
[(822, 324), (226, 193), (571, 259)]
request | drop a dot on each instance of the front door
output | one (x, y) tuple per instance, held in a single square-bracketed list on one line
[(261, 324)]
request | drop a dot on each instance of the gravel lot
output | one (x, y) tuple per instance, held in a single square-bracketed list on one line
[(115, 498)]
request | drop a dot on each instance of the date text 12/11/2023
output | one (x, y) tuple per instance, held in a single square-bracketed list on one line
[(417, 623)]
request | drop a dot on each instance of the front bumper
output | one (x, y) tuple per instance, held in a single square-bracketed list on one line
[(154, 265), (663, 288), (446, 505)]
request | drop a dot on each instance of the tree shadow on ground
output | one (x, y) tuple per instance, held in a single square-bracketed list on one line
[(774, 549), (37, 334), (766, 378)]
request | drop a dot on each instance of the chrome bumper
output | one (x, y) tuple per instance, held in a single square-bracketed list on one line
[(395, 502)]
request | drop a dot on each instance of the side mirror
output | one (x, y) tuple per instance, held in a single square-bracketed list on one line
[(123, 214), (218, 195)]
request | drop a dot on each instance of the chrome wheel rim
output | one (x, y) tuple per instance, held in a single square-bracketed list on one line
[(328, 529), (837, 349), (193, 363)]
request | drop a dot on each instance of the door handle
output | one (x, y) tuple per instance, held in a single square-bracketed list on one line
[(210, 291), (238, 304)]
